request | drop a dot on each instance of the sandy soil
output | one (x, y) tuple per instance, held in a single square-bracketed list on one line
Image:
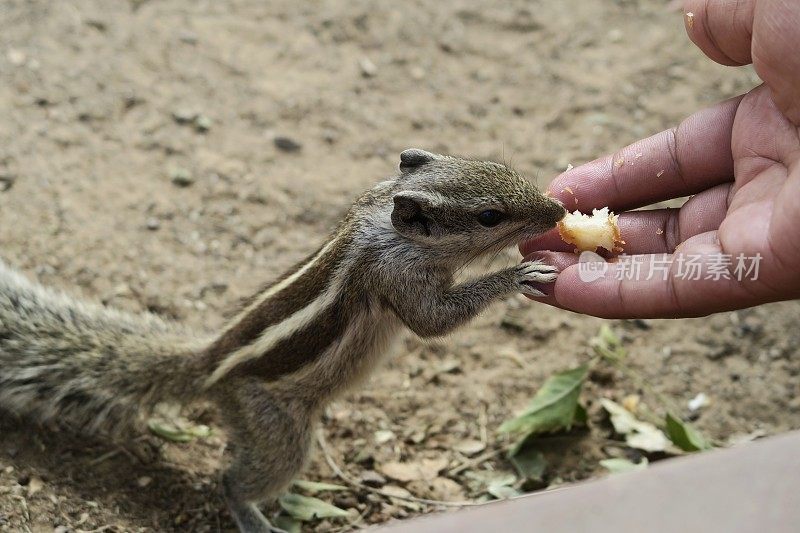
[(99, 106)]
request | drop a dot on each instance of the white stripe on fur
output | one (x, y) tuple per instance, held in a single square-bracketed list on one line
[(275, 333), (275, 289)]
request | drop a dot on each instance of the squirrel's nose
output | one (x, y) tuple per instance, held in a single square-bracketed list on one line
[(555, 211)]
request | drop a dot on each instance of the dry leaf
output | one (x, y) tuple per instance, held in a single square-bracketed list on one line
[(631, 402), (469, 446), (306, 508), (394, 490), (446, 489), (638, 434), (425, 469), (618, 465), (440, 488), (400, 492)]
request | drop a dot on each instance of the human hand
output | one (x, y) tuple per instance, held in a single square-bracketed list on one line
[(741, 161)]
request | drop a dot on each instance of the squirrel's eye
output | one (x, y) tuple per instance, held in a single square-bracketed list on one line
[(489, 218)]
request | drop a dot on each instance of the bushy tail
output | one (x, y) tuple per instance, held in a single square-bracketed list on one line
[(92, 368)]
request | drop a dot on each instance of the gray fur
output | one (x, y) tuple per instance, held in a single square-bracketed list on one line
[(91, 368), (317, 331)]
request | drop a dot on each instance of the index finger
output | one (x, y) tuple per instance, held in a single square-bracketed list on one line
[(685, 160)]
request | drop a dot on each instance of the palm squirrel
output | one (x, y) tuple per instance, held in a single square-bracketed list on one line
[(305, 338)]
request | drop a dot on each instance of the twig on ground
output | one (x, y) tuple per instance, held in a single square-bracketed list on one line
[(104, 457), (355, 483), (474, 462)]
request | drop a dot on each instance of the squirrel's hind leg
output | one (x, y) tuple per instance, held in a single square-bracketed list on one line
[(269, 441), (248, 516)]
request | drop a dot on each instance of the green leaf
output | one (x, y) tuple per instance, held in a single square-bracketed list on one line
[(503, 492), (501, 487), (288, 524), (200, 431), (685, 436), (581, 417), (316, 486), (175, 434), (529, 462), (619, 465), (638, 434), (554, 407), (607, 345), (307, 508)]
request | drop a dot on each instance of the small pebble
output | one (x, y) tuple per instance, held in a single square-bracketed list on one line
[(368, 68), (202, 123), (6, 181), (181, 177), (698, 402), (99, 25), (188, 37), (153, 224), (183, 116), (287, 144)]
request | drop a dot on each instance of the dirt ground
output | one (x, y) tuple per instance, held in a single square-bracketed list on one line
[(139, 166)]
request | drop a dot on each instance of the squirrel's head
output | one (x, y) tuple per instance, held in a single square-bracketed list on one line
[(472, 206)]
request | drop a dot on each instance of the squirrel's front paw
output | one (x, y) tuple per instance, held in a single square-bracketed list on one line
[(534, 272)]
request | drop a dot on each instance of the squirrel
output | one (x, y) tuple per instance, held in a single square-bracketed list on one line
[(303, 339)]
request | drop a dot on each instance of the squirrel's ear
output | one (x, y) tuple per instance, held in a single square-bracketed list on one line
[(411, 213), (413, 158)]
